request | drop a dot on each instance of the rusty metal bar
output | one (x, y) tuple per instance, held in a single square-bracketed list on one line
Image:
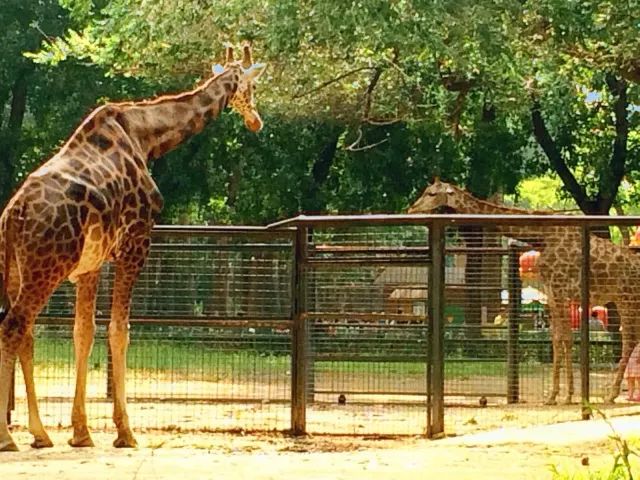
[(585, 280)]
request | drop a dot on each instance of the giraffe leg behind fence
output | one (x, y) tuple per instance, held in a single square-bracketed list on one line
[(555, 370), (567, 347), (627, 348)]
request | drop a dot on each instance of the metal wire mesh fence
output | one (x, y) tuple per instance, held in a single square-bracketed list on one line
[(363, 325), (210, 337)]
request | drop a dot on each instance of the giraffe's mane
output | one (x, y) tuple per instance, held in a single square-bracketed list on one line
[(169, 97)]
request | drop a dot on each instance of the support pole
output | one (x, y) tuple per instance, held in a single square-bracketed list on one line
[(513, 325), (585, 279), (109, 371), (299, 337), (435, 429), (12, 395)]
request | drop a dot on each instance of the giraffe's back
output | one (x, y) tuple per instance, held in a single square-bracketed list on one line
[(78, 209)]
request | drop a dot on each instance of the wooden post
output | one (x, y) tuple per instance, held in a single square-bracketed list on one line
[(435, 374), (584, 321), (299, 337), (513, 325)]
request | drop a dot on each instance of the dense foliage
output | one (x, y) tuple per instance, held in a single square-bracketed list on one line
[(364, 101)]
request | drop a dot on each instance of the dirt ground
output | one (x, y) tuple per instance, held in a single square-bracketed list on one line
[(503, 453)]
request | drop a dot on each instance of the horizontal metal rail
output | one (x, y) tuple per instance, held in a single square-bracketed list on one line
[(219, 230), (207, 247), (221, 322), (455, 219)]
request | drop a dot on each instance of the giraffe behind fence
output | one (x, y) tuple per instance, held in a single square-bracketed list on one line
[(613, 269)]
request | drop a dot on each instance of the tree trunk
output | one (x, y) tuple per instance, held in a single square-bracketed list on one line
[(10, 136), (611, 175), (314, 202)]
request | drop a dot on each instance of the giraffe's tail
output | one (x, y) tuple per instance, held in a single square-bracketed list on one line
[(6, 243)]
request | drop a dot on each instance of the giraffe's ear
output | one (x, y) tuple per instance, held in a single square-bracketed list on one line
[(217, 69), (254, 71)]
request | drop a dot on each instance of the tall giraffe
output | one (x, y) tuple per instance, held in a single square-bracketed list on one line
[(92, 202), (613, 271)]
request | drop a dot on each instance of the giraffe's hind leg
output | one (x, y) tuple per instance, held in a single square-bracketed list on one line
[(7, 361), (16, 340), (40, 437)]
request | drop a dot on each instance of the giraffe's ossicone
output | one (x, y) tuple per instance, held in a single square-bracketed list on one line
[(92, 202)]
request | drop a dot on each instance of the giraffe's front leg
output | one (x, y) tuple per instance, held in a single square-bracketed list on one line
[(127, 270), (83, 333)]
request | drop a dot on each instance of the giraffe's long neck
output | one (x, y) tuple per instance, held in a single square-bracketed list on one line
[(157, 126), (529, 233), (470, 204)]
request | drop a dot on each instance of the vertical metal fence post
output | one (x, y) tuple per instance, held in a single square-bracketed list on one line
[(310, 354), (513, 325), (584, 321), (436, 327), (299, 337), (109, 371), (12, 395)]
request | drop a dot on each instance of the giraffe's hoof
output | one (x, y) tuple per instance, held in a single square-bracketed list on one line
[(8, 446), (567, 401), (81, 441), (550, 401), (41, 442), (125, 440), (610, 400)]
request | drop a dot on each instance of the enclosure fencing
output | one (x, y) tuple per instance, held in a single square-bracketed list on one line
[(372, 324)]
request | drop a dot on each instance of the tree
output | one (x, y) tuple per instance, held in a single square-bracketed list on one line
[(491, 78), (40, 106), (583, 92)]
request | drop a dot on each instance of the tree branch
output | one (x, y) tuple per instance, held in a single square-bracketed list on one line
[(610, 181), (543, 137), (354, 147), (333, 80), (368, 94)]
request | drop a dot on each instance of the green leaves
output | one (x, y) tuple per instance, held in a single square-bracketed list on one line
[(416, 88)]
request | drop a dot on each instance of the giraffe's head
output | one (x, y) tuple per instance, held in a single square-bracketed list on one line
[(243, 101), (441, 197)]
